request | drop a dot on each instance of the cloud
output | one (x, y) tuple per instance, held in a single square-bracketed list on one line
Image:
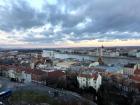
[(19, 15), (70, 20)]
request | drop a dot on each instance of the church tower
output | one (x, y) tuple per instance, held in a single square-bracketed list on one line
[(100, 59)]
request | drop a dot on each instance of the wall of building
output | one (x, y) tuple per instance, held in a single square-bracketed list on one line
[(138, 54), (128, 71), (90, 82)]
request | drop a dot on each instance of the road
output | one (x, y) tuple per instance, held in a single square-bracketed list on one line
[(63, 94), (7, 84)]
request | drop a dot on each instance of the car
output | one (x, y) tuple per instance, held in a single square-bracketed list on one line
[(5, 94), (1, 103)]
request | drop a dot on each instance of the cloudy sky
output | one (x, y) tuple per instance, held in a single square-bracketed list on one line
[(69, 23)]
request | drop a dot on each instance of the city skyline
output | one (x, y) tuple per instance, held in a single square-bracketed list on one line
[(72, 23)]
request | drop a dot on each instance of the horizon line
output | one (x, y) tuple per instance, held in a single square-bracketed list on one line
[(65, 47)]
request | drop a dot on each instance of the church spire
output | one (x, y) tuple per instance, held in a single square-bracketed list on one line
[(100, 60)]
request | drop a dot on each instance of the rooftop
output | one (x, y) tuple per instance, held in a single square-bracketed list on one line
[(93, 75), (130, 65)]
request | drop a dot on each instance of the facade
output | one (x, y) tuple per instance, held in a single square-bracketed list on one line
[(138, 54), (20, 76), (26, 77), (114, 54), (132, 53), (49, 54), (32, 65), (90, 80), (11, 74), (42, 66), (37, 75), (129, 69), (94, 53), (64, 65), (136, 76), (94, 64)]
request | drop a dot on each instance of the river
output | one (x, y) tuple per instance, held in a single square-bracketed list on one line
[(107, 60)]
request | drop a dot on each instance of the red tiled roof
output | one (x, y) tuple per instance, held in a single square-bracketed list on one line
[(38, 72), (136, 78), (35, 72), (137, 71), (27, 70), (56, 74)]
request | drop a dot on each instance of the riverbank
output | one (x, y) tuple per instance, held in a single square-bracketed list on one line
[(117, 57), (81, 57)]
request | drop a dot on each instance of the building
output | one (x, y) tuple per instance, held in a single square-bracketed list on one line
[(49, 77), (58, 74), (94, 64), (132, 53), (19, 74), (32, 65), (100, 59), (136, 76), (138, 54), (114, 54), (129, 69), (94, 53), (89, 80), (64, 65), (37, 75), (115, 69), (49, 54)]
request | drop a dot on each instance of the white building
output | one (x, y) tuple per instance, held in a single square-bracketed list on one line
[(49, 54), (11, 73), (21, 76), (90, 80), (32, 65), (26, 76), (42, 66), (114, 54), (129, 69), (64, 65), (138, 54), (94, 64), (132, 52), (94, 53)]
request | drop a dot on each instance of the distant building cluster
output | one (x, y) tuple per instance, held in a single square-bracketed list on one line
[(106, 52)]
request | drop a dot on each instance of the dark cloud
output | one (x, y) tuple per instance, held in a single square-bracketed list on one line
[(105, 15), (19, 15)]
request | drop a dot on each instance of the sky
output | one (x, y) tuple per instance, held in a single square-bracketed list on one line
[(69, 23)]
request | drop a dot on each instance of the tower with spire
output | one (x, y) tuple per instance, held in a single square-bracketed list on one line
[(100, 59)]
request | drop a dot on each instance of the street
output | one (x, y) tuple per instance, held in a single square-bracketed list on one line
[(57, 93)]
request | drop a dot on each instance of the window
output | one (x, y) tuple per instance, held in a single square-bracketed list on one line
[(89, 82)]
